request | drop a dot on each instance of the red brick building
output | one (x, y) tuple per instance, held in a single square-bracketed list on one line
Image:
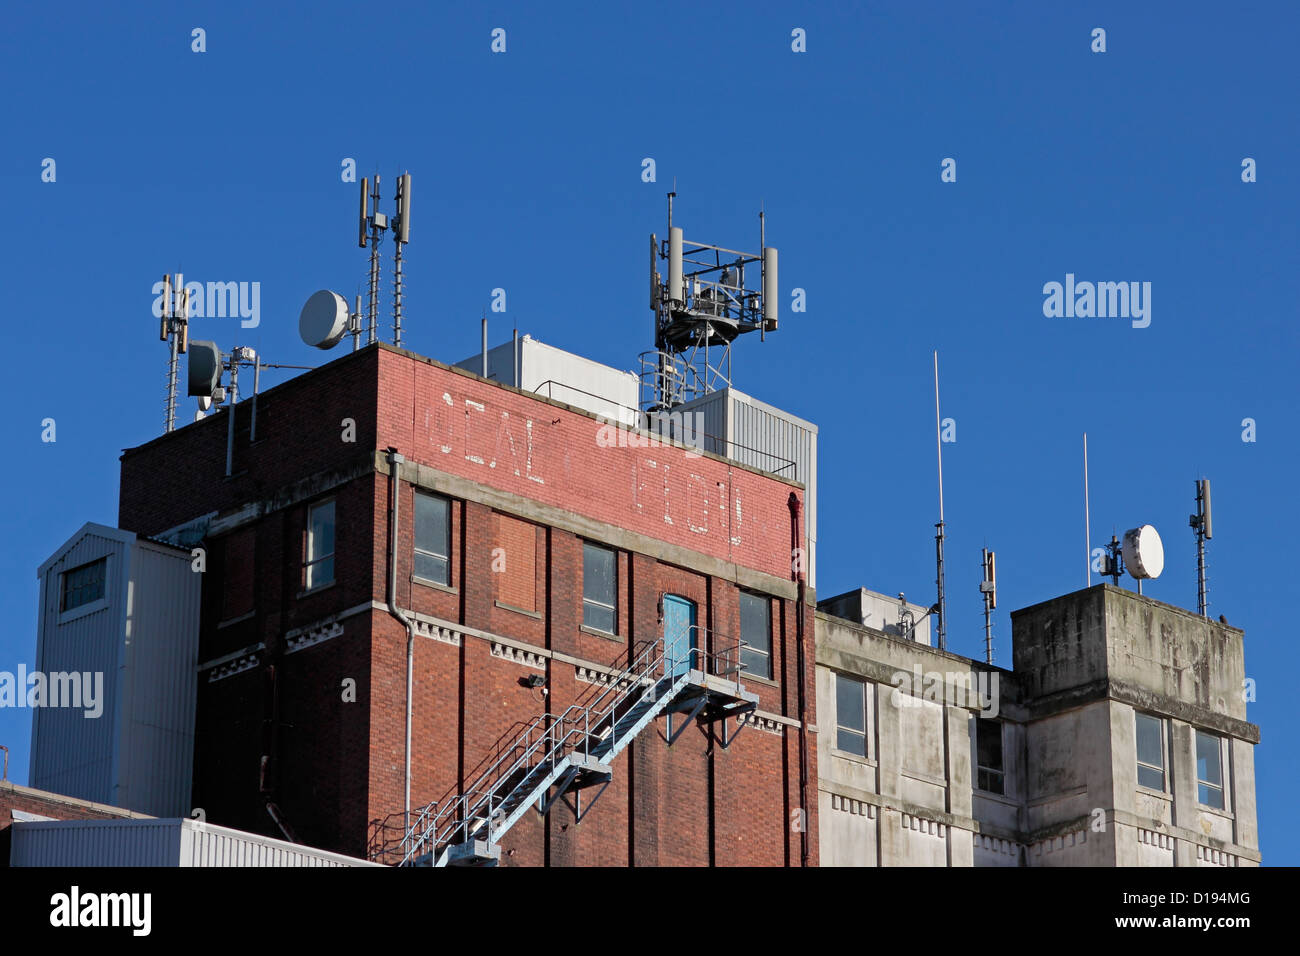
[(534, 558)]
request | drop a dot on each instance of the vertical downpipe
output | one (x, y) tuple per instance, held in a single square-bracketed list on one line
[(394, 466), (797, 567)]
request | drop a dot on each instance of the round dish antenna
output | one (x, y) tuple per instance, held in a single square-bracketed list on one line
[(324, 319), (1144, 553)]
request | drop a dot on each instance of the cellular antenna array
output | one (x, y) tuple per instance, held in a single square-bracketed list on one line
[(710, 299), (371, 226), (175, 332), (1204, 529)]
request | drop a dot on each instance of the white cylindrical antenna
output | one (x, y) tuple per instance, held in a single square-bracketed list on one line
[(1205, 506), (676, 282), (355, 323), (362, 220), (771, 294), (1087, 520)]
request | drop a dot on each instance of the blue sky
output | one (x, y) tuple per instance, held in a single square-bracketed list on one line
[(1122, 166)]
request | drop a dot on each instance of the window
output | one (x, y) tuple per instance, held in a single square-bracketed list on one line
[(432, 538), (319, 567), (756, 632), (83, 584), (1209, 770), (990, 775), (1151, 751), (851, 715), (598, 587)]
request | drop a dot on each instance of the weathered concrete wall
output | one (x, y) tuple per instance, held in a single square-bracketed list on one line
[(1085, 664)]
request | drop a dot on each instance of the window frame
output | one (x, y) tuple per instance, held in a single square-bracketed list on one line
[(841, 728), (981, 768), (91, 604), (1140, 764), (612, 608), (416, 550), (766, 601), (1201, 784), (311, 560)]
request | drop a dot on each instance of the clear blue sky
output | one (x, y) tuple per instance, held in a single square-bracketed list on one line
[(1122, 166)]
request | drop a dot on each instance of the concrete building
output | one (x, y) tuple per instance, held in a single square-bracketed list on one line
[(1118, 739), (412, 553)]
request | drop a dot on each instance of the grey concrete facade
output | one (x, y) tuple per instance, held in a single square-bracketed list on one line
[(945, 761)]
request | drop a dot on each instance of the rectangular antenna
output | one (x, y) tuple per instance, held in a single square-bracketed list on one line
[(365, 212), (1205, 508), (404, 208)]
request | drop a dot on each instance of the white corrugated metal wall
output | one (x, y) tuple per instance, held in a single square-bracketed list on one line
[(162, 631), (143, 639), (74, 754)]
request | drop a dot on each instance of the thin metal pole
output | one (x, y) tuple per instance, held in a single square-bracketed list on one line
[(372, 312), (173, 347), (230, 411), (988, 615), (1087, 519), (941, 622)]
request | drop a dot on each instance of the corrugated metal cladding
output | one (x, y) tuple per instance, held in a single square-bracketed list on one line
[(140, 642), (563, 376), (181, 843), (72, 753), (762, 436)]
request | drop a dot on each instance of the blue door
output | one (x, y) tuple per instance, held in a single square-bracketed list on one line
[(679, 635)]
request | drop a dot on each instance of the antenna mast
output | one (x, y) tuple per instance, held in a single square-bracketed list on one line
[(704, 305), (941, 616), (989, 591), (1204, 529), (401, 236), (374, 220), (1087, 520), (175, 332)]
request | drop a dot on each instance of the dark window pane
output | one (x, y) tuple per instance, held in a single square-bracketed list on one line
[(756, 632), (990, 781), (1149, 747), (432, 525), (433, 538), (1209, 768), (321, 533), (431, 567), (599, 616), (850, 710), (851, 742), (1149, 777), (988, 743), (598, 574), (83, 585)]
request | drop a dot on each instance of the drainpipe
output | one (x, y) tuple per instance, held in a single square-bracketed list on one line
[(795, 550), (394, 462)]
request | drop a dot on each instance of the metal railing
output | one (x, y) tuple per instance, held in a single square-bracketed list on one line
[(484, 809)]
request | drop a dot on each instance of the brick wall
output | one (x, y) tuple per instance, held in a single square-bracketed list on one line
[(276, 722)]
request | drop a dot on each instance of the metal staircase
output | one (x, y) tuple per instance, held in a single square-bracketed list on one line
[(573, 751)]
